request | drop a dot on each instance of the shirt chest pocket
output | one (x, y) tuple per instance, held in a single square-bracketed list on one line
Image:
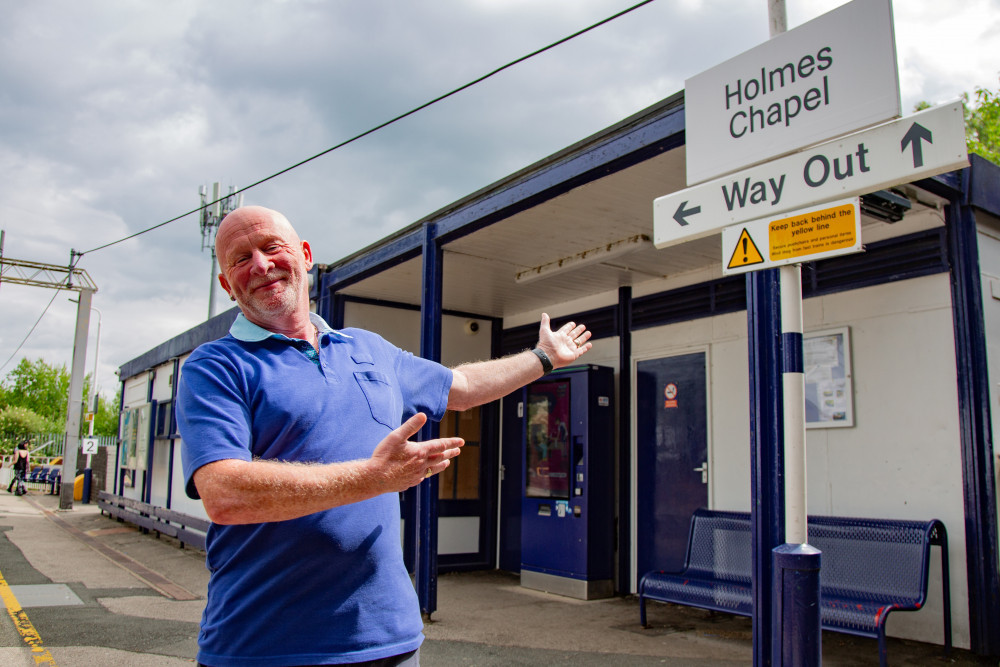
[(381, 397)]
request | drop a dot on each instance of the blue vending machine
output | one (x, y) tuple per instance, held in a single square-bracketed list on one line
[(567, 499)]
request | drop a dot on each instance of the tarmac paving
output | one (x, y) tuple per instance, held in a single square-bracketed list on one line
[(82, 589)]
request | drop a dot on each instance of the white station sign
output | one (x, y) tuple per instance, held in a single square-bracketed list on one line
[(925, 144), (833, 75)]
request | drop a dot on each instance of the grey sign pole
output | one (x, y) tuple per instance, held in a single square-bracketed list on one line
[(74, 404), (796, 629)]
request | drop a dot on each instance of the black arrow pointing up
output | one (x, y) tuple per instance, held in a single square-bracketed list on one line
[(682, 213), (914, 136)]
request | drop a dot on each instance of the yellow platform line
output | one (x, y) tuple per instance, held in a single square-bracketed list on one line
[(23, 624)]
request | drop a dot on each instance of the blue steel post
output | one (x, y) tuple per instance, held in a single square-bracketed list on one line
[(338, 304), (427, 491), (624, 432), (767, 498), (171, 429), (974, 418), (798, 640)]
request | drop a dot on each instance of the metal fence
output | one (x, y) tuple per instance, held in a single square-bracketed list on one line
[(45, 449), (45, 445)]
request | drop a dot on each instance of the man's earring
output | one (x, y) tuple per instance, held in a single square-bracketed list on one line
[(231, 297)]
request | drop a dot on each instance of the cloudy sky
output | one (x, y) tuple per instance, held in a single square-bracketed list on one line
[(114, 112)]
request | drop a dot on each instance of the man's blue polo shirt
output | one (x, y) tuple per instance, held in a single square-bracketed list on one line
[(330, 587)]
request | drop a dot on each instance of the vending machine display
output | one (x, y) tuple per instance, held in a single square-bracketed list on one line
[(567, 504), (547, 456)]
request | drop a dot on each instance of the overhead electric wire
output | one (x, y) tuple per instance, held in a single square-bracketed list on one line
[(380, 126), (28, 335)]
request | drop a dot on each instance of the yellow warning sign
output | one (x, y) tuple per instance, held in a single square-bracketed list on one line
[(824, 230), (812, 233), (746, 252)]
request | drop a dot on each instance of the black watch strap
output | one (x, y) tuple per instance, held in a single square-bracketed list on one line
[(544, 358)]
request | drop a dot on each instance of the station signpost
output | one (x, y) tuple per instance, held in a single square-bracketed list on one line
[(900, 151), (781, 141), (828, 77)]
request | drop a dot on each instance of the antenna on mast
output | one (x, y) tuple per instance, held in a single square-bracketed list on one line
[(212, 213)]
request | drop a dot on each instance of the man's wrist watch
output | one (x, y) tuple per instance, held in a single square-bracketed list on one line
[(544, 358)]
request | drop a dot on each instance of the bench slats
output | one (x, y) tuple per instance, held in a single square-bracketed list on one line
[(186, 528), (870, 567)]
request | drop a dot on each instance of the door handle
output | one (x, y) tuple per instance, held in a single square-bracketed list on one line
[(704, 472)]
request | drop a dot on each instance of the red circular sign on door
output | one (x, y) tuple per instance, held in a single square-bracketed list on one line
[(670, 392)]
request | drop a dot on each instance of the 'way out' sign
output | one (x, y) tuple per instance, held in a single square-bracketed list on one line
[(830, 76), (925, 144)]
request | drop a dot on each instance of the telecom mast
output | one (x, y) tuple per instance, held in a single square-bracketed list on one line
[(212, 213)]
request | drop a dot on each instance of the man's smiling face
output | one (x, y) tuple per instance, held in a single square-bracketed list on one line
[(263, 265)]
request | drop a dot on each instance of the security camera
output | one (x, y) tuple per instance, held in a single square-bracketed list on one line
[(472, 327)]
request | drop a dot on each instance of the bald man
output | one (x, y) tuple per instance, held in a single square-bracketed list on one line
[(296, 439)]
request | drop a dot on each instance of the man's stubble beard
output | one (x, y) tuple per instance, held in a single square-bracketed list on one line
[(274, 305)]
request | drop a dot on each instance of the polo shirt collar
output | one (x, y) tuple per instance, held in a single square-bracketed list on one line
[(248, 332)]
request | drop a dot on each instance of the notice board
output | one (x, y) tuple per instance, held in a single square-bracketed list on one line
[(826, 359)]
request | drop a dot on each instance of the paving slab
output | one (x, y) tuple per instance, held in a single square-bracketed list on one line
[(140, 600)]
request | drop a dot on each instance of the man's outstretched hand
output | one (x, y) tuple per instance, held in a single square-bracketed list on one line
[(564, 345), (400, 463)]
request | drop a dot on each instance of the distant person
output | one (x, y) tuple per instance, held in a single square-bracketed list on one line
[(296, 439), (20, 466)]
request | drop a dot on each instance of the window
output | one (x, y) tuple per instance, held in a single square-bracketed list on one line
[(460, 480), (163, 417)]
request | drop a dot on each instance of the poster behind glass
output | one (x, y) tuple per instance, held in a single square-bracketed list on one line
[(828, 387), (548, 456)]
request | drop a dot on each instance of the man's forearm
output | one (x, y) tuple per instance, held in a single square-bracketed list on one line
[(484, 381), (235, 491)]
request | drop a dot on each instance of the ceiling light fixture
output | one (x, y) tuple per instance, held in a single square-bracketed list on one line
[(887, 205), (593, 256)]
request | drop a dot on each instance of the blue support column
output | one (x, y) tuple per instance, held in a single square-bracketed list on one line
[(797, 638), (171, 428), (624, 433), (337, 305), (427, 491), (975, 422), (767, 501)]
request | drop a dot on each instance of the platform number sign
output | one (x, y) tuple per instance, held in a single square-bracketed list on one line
[(89, 445)]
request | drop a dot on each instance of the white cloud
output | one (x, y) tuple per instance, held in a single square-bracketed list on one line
[(113, 114)]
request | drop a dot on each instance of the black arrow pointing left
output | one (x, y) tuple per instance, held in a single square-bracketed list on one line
[(682, 213), (914, 136)]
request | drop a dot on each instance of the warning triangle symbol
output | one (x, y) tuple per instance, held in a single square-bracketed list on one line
[(746, 252)]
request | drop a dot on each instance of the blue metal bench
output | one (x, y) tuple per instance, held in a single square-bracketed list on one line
[(186, 528), (869, 567), (45, 477), (54, 480)]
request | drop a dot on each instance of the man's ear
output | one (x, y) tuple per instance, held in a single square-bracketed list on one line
[(307, 253), (225, 286)]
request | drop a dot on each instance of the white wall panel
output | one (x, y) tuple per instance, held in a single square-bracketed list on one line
[(900, 460), (402, 328)]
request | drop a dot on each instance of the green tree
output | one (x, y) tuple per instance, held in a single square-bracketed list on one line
[(106, 419), (38, 386), (982, 123), (43, 389), (17, 422)]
